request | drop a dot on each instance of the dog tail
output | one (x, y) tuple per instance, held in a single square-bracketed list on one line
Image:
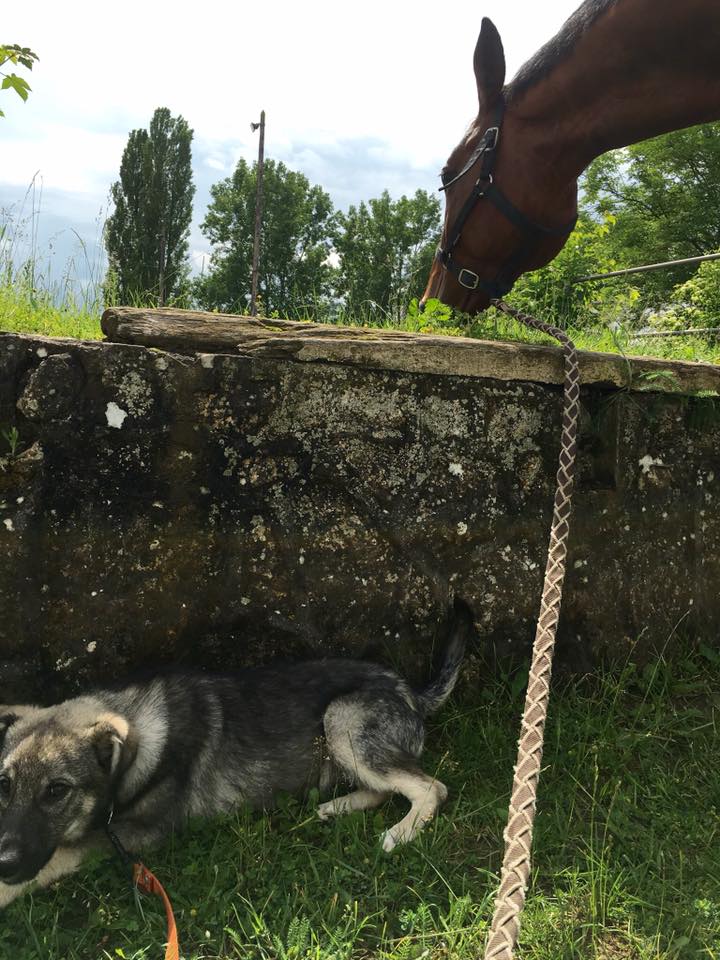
[(462, 627)]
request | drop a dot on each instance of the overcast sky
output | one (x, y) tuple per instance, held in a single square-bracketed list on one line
[(359, 97)]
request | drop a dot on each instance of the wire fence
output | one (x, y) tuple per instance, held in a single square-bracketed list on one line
[(647, 268)]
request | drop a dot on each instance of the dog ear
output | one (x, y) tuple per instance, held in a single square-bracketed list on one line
[(109, 735), (8, 716)]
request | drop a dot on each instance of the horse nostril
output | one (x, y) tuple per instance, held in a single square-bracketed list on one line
[(421, 306)]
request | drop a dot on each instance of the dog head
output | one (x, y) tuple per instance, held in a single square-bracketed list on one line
[(57, 772)]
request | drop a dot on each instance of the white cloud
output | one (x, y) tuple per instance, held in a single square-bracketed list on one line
[(360, 98), (68, 157), (399, 72)]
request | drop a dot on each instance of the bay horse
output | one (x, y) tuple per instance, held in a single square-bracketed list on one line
[(619, 71)]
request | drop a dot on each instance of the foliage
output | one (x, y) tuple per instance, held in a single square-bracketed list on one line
[(12, 53), (295, 242), (553, 289), (147, 234), (665, 196), (696, 303), (385, 249), (623, 864), (11, 435)]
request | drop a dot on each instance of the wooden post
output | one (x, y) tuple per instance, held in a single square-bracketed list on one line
[(258, 214), (161, 275)]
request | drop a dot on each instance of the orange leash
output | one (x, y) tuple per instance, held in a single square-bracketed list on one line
[(147, 882)]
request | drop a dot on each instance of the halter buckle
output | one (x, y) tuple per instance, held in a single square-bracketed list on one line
[(468, 279), (495, 131), (483, 182)]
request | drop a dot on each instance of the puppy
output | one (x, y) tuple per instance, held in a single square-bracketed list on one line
[(147, 755)]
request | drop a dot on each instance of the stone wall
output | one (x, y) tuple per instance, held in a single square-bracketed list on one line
[(244, 501)]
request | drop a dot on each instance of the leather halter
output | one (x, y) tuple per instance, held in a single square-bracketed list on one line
[(485, 153)]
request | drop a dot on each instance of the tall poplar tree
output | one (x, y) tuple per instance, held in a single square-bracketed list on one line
[(146, 236)]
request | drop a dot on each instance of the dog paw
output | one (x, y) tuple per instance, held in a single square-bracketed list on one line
[(388, 841), (326, 810)]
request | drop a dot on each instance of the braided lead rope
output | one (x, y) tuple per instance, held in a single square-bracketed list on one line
[(515, 874)]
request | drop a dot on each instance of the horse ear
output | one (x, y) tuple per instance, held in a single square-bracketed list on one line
[(489, 64)]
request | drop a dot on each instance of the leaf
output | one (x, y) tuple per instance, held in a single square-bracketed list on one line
[(16, 83), (15, 54), (519, 682), (711, 655)]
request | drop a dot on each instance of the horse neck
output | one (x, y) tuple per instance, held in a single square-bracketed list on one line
[(643, 68)]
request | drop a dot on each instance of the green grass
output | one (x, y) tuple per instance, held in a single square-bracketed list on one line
[(625, 862), (25, 312)]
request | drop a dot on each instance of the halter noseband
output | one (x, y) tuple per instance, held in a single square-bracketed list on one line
[(485, 153)]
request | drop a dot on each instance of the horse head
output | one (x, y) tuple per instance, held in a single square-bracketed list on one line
[(509, 207)]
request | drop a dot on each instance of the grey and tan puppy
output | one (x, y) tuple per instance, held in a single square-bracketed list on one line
[(153, 753)]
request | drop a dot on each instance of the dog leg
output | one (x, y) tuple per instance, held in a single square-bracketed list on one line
[(426, 796), (10, 892), (65, 860), (357, 800), (376, 738)]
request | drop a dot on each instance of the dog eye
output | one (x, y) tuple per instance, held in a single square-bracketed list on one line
[(5, 787), (57, 790)]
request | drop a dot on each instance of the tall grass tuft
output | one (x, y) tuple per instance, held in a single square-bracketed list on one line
[(36, 297)]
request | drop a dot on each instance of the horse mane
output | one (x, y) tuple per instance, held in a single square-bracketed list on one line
[(554, 51)]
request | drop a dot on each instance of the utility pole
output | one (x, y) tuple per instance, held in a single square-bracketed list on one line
[(161, 271), (163, 242), (258, 213)]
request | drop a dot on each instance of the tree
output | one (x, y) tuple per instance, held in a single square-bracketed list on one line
[(551, 290), (385, 249), (294, 275), (665, 196), (147, 234), (12, 53)]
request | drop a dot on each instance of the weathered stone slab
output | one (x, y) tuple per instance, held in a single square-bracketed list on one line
[(221, 508), (186, 331)]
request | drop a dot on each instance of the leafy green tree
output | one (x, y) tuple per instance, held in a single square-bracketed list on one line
[(12, 53), (665, 196), (385, 249), (294, 275), (696, 302), (146, 236), (552, 289)]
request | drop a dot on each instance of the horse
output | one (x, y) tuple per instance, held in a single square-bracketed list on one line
[(619, 71)]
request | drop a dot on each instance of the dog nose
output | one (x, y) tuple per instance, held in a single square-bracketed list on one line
[(10, 859)]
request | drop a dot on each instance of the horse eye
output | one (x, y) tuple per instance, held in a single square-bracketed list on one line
[(5, 787), (57, 790), (446, 176)]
